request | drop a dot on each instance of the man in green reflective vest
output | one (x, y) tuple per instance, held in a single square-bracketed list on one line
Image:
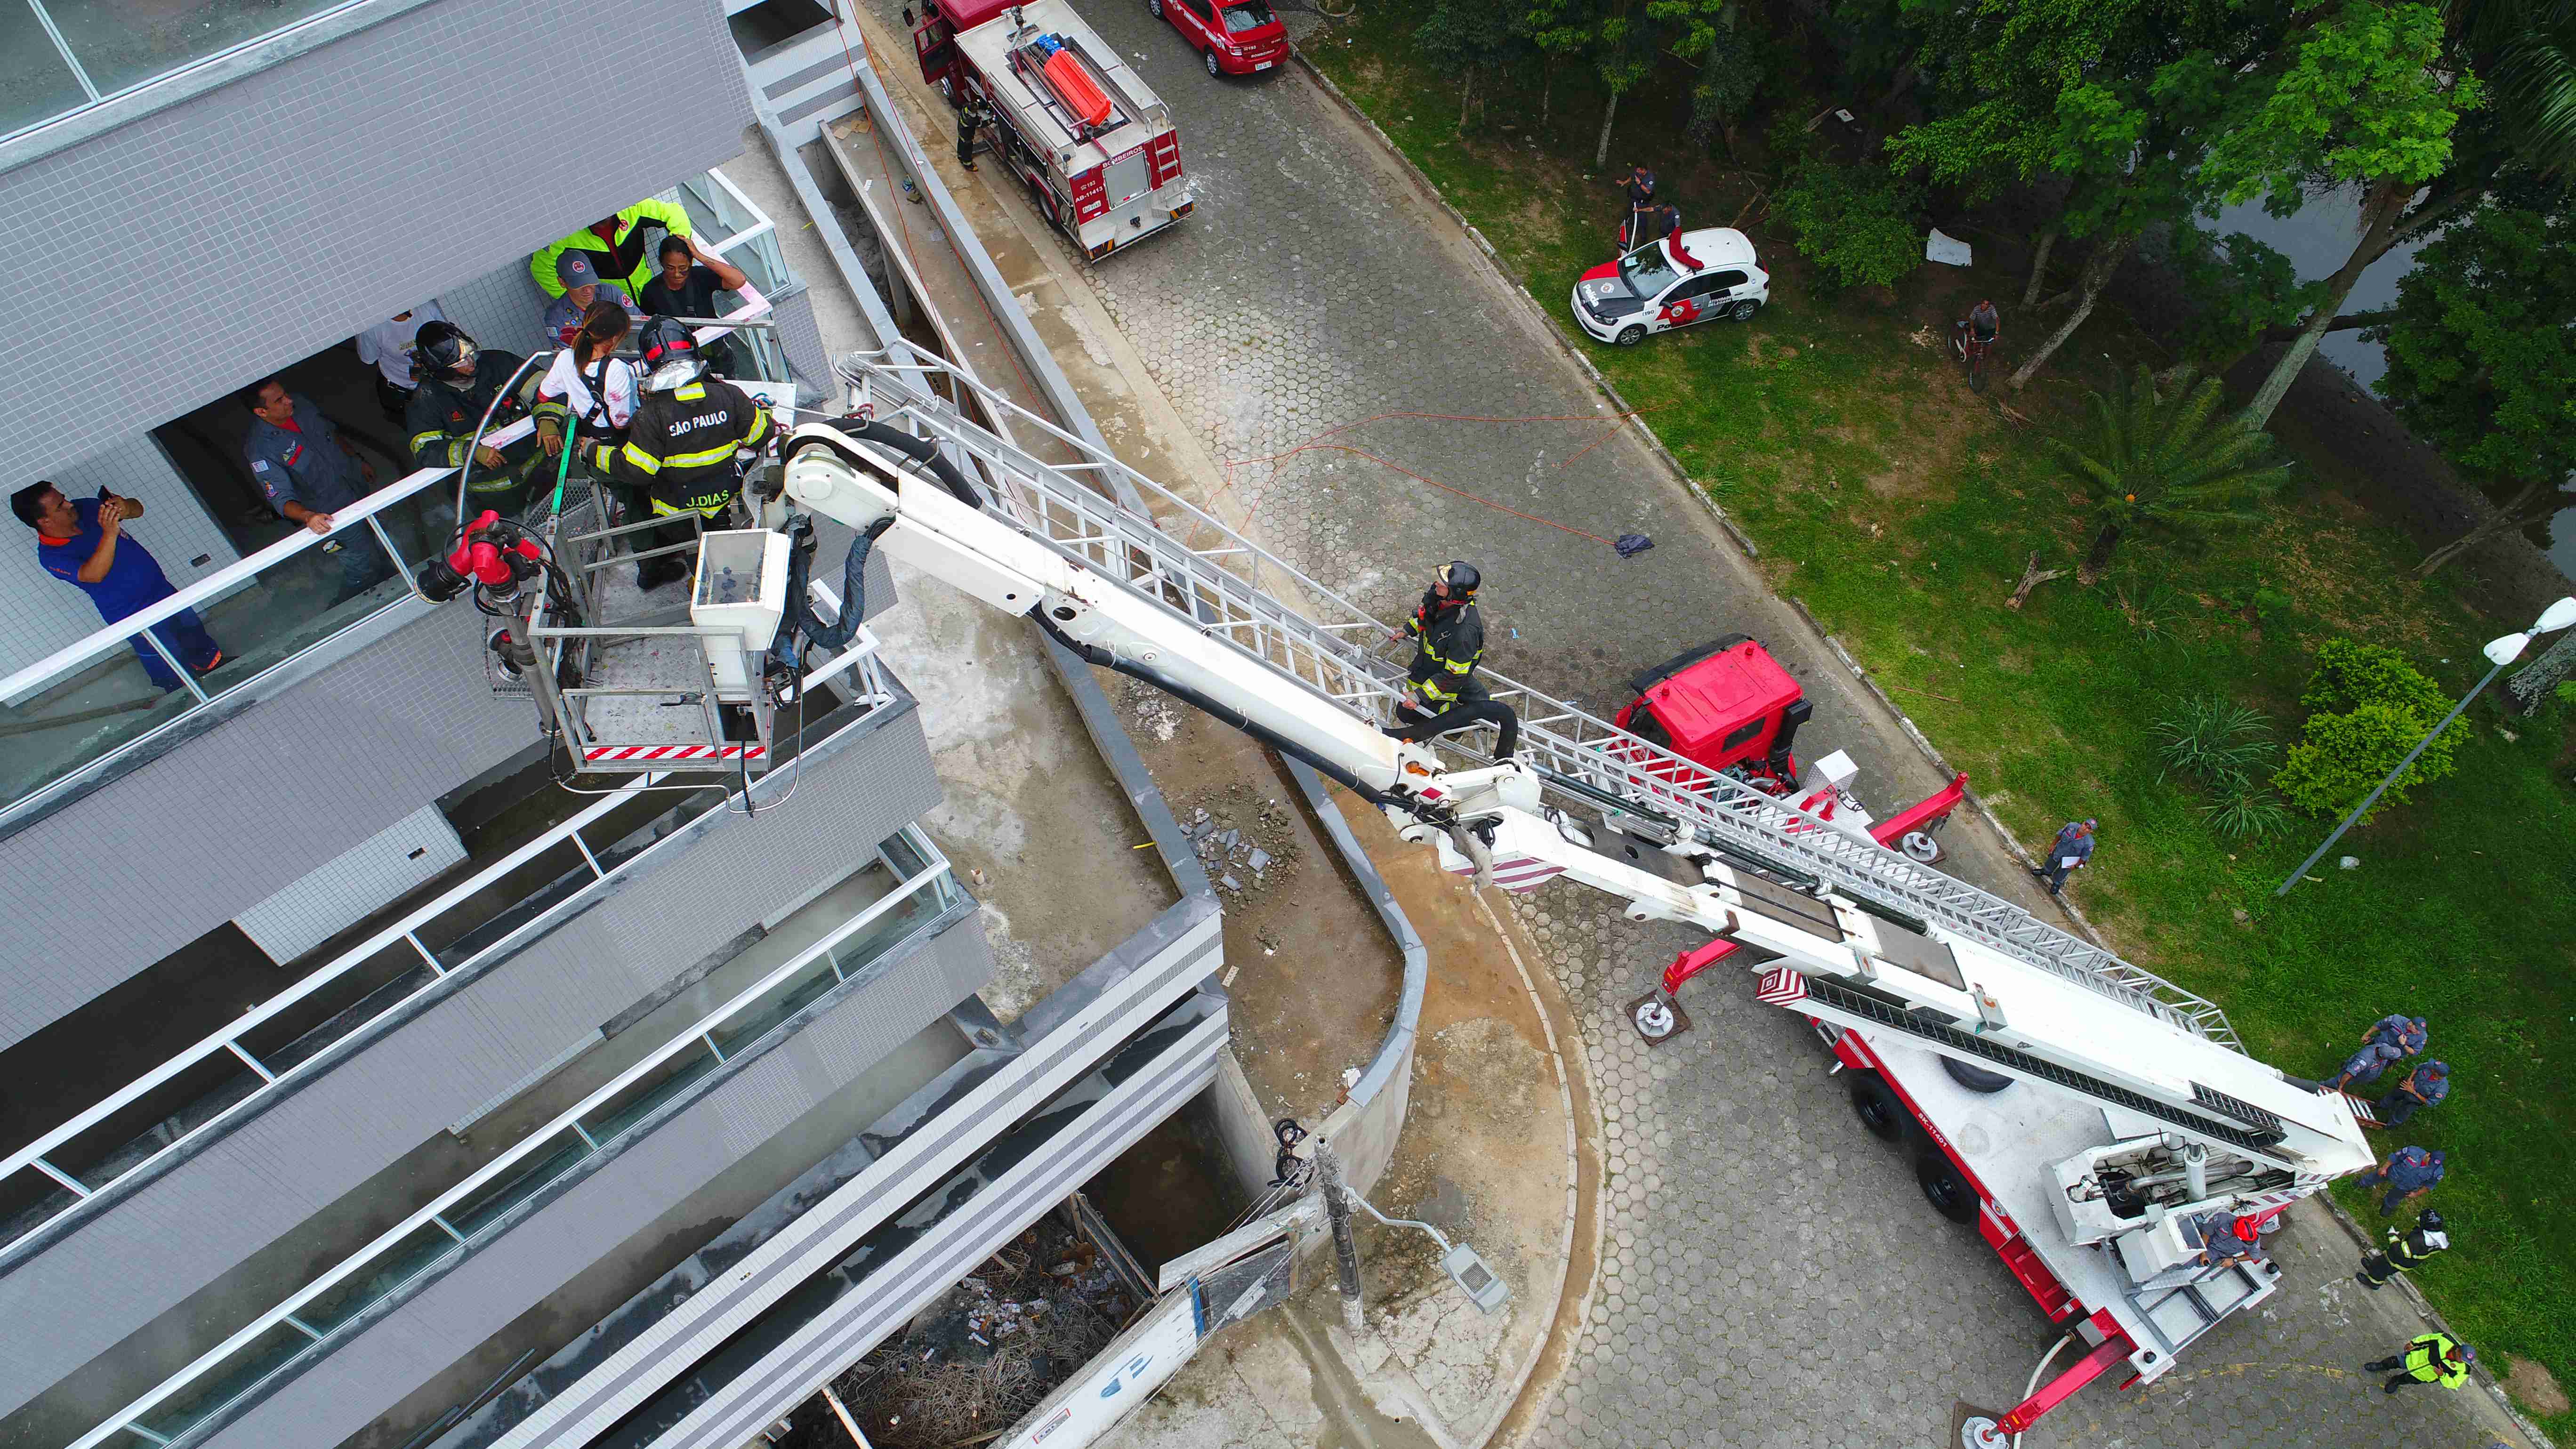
[(2432, 1358)]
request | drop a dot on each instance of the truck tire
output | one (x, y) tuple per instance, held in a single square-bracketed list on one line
[(1975, 1079), (1877, 1107), (1943, 1187)]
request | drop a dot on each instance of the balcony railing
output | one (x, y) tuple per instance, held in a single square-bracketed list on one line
[(477, 1210), (260, 1074), (67, 731)]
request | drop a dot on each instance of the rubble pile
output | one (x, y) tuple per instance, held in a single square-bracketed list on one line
[(1243, 838), (986, 1351)]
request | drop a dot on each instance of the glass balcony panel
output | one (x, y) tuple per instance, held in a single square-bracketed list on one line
[(776, 1005), (398, 1264), (900, 920), (110, 697), (114, 1146), (27, 1199), (126, 42), (35, 82), (486, 1205), (647, 1092), (225, 1381)]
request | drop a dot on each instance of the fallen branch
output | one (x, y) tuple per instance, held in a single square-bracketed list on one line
[(2032, 576), (1761, 198)]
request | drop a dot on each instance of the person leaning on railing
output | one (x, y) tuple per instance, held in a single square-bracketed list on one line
[(83, 543)]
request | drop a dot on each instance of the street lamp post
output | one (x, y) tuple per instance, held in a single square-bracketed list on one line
[(2499, 652)]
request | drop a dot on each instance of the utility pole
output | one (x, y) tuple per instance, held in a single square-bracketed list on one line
[(1346, 1248)]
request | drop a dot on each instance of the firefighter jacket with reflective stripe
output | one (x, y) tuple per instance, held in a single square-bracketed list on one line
[(680, 447), (439, 422), (1448, 639), (2410, 1251), (2426, 1365)]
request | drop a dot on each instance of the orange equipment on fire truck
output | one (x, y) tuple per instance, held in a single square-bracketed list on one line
[(1086, 136)]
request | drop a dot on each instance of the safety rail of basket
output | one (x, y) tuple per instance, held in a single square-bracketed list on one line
[(1574, 749)]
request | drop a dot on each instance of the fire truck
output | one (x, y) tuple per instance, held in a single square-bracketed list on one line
[(1091, 142), (2104, 1129)]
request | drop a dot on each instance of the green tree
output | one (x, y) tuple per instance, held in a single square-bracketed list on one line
[(2482, 354), (1856, 223), (1730, 74), (1469, 39), (2167, 460), (2367, 97), (2371, 706), (2240, 289)]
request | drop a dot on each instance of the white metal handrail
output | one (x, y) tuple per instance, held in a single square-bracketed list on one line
[(433, 1214), (227, 1040)]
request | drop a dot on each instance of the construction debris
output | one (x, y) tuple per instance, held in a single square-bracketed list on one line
[(1242, 837)]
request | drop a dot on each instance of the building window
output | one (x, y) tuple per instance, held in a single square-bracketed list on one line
[(64, 57)]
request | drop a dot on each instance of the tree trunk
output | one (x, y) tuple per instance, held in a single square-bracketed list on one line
[(1546, 94), (1601, 152), (2535, 681), (1466, 94), (2097, 559), (1874, 121), (2039, 267), (2344, 323), (2535, 502), (2088, 289), (2381, 206), (2032, 576)]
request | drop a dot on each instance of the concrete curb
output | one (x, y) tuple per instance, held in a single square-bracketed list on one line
[(1546, 320)]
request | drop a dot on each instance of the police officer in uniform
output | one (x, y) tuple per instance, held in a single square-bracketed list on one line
[(1441, 692), (679, 449), (458, 381), (2405, 1253), (308, 475)]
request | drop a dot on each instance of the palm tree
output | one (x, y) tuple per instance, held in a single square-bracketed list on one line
[(2165, 459)]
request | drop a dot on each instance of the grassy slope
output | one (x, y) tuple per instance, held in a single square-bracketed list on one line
[(1899, 506)]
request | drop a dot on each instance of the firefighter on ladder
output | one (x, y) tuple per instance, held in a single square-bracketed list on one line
[(680, 449), (1441, 692)]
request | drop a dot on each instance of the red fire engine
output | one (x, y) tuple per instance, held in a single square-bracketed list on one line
[(1091, 142)]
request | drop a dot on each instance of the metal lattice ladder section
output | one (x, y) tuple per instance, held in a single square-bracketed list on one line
[(1210, 575)]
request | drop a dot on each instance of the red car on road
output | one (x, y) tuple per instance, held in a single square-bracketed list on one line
[(1233, 39)]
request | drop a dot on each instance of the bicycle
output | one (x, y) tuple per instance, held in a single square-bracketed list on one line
[(1971, 349)]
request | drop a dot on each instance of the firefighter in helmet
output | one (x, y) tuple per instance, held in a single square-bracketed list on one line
[(457, 384), (681, 448), (2406, 1252), (1441, 692)]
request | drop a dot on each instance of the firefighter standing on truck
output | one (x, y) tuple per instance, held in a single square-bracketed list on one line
[(679, 450), (1441, 692)]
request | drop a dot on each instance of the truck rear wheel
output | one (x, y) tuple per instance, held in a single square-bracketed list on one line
[(1877, 1107), (1944, 1188)]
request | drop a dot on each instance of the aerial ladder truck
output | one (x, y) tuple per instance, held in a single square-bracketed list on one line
[(2092, 1119)]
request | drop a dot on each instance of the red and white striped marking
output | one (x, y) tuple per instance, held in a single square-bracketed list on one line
[(648, 753), (1780, 986), (1520, 873)]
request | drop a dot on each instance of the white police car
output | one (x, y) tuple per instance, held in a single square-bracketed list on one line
[(1655, 288)]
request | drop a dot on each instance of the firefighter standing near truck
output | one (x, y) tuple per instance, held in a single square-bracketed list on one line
[(1440, 689), (680, 448)]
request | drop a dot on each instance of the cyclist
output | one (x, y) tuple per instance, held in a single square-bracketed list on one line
[(1984, 323)]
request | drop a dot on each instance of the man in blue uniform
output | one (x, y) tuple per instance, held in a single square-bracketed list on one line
[(309, 474), (2068, 853), (2423, 1087), (2409, 1172), (2406, 1033), (83, 543)]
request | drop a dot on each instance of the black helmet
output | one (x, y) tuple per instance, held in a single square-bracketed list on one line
[(1461, 577), (670, 354), (441, 347), (2431, 1221)]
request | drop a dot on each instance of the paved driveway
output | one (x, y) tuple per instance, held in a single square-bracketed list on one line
[(1772, 1276)]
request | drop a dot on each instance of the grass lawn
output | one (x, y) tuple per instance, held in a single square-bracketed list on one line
[(1837, 431)]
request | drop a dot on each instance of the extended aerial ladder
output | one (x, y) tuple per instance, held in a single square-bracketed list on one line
[(1856, 937)]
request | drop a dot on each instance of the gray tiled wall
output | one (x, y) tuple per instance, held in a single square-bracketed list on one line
[(137, 1258), (412, 1345), (228, 820), (259, 223)]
